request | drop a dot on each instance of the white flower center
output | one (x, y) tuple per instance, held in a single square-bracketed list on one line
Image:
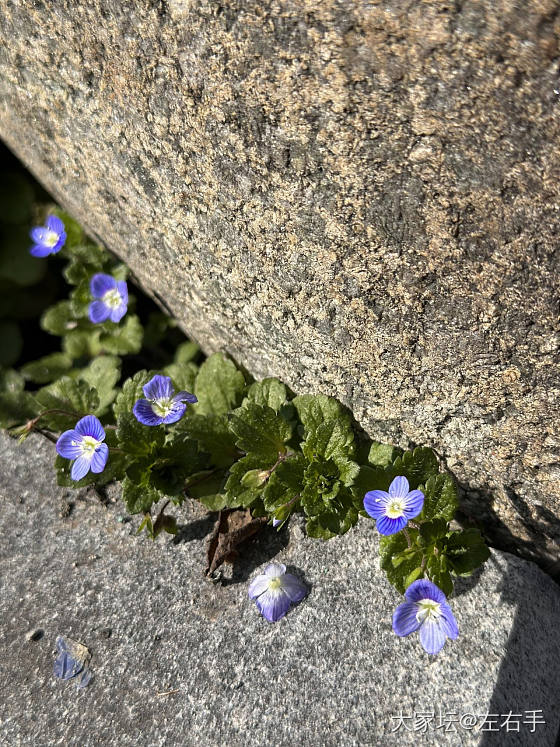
[(112, 299), (51, 237), (395, 508), (89, 444), (274, 583), (428, 610), (162, 407)]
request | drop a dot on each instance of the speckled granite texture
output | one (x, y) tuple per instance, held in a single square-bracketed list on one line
[(358, 197), (330, 674)]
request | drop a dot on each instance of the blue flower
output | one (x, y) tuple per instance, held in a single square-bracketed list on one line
[(71, 661), (112, 298), (393, 510), (426, 609), (48, 239), (84, 444), (161, 404), (275, 591)]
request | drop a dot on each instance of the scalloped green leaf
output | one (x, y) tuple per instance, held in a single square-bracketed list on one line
[(259, 430), (269, 392), (440, 498), (219, 386)]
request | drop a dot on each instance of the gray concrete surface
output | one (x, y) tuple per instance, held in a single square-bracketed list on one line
[(330, 673)]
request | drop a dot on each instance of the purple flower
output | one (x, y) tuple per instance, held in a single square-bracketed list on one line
[(426, 609), (112, 298), (393, 510), (72, 660), (276, 522), (275, 591), (84, 444), (48, 239), (161, 404)]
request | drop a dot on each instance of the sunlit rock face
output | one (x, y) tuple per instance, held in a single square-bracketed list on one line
[(360, 198)]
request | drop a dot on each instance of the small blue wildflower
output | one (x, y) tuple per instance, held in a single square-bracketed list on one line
[(161, 404), (84, 444), (394, 509), (71, 661), (48, 239), (112, 298), (275, 591), (276, 523), (426, 609)]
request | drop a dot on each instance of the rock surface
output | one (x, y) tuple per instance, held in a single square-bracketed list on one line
[(178, 660), (361, 198)]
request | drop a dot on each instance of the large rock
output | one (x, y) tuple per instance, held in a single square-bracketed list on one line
[(361, 198), (179, 661)]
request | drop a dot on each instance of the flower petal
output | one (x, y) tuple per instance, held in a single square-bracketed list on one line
[(98, 312), (54, 223), (100, 283), (375, 502), (404, 618), (123, 291), (185, 397), (99, 459), (387, 526), (258, 586), (38, 250), (448, 622), (414, 503), (159, 387), (80, 468), (144, 414), (176, 413), (65, 667), (424, 589), (273, 570), (273, 604), (294, 587), (40, 235), (66, 445), (90, 426), (432, 636), (118, 313), (399, 487)]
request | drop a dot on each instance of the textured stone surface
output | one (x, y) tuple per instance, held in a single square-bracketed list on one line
[(361, 198), (330, 673)]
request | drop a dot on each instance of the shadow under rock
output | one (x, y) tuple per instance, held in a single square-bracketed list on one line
[(530, 668)]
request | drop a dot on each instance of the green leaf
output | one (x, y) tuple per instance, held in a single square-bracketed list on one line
[(285, 483), (440, 498), (173, 463), (59, 319), (259, 430), (413, 576), (382, 455), (74, 398), (214, 436), (417, 466), (103, 374), (208, 487), (47, 369), (16, 408), (466, 551), (333, 439), (332, 523), (239, 494), (396, 559), (74, 232), (139, 496), (182, 375), (186, 352), (123, 338), (219, 386), (10, 381), (270, 392), (81, 343), (431, 531), (314, 409), (438, 574)]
